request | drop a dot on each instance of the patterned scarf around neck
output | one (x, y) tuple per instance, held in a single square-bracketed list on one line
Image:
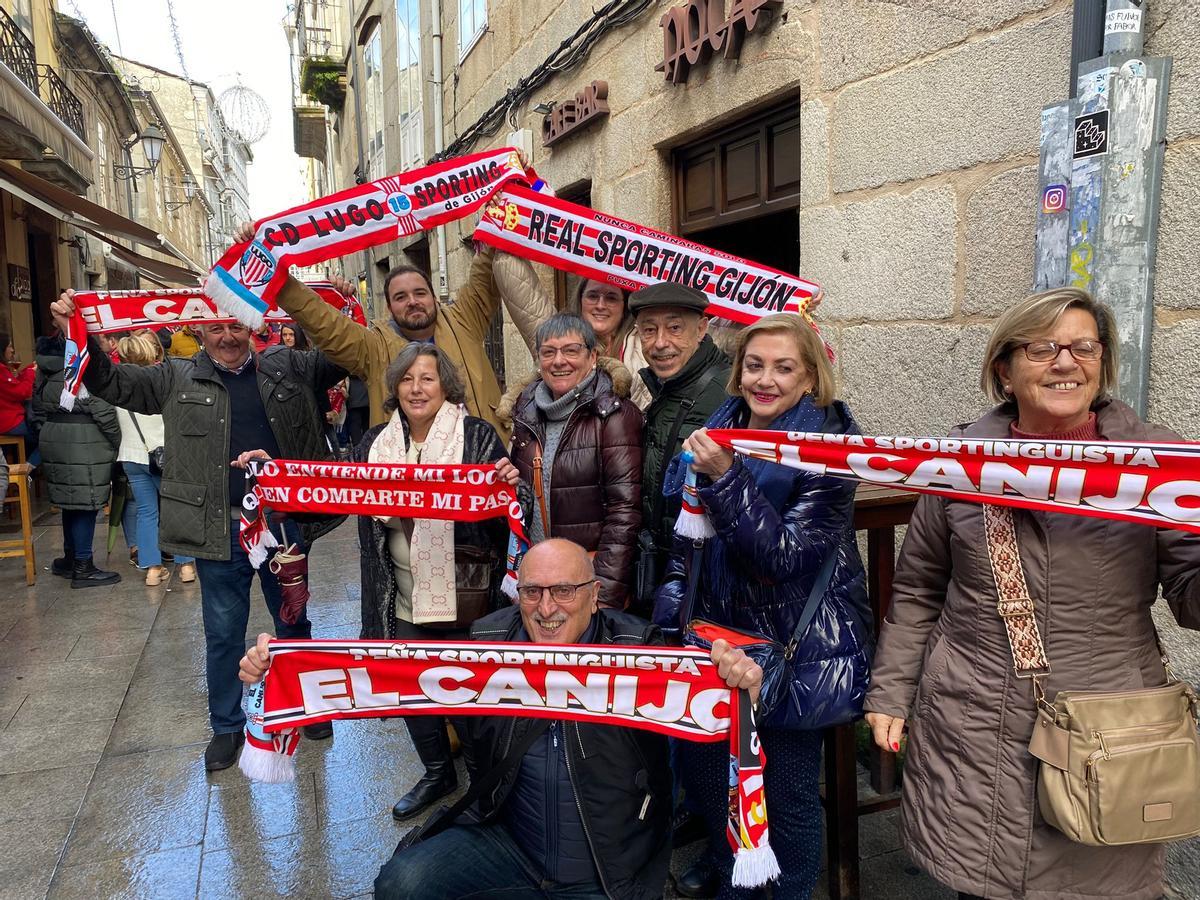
[(431, 546)]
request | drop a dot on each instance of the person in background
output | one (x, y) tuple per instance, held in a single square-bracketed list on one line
[(358, 411), (776, 528), (460, 561), (78, 451), (944, 668), (141, 434), (577, 439), (265, 337), (290, 335), (222, 403), (16, 390), (185, 341)]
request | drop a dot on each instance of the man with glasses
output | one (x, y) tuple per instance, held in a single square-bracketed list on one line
[(216, 406), (587, 814)]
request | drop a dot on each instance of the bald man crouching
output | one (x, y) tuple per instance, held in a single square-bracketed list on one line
[(588, 812)]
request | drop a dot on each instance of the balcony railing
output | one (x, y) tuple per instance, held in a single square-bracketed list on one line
[(16, 51), (65, 104)]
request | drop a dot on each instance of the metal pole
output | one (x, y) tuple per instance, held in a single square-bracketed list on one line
[(1123, 27), (1087, 37)]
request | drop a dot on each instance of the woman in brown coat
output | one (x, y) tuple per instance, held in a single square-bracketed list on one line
[(577, 439), (944, 667)]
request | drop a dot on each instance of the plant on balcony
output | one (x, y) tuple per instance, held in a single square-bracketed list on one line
[(323, 80)]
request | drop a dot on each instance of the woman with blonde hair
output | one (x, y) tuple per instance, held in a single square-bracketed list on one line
[(141, 436), (945, 669), (784, 542)]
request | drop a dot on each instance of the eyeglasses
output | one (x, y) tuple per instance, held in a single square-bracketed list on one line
[(559, 593), (1045, 351), (571, 351), (610, 299)]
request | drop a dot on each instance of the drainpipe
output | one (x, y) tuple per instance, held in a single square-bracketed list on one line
[(439, 135), (1087, 37), (358, 135)]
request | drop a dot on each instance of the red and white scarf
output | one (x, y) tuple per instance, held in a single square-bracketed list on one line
[(1151, 483), (460, 493), (596, 245), (675, 692), (246, 279), (104, 312)]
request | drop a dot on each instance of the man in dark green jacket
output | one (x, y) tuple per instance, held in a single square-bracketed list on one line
[(221, 403), (688, 377)]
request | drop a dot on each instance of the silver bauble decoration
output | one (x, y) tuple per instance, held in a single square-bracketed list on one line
[(246, 114)]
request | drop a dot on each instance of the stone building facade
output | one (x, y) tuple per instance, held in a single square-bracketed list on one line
[(913, 200)]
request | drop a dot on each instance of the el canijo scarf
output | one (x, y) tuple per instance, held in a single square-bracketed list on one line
[(676, 692)]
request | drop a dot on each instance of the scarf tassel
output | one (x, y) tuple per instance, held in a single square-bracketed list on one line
[(235, 300), (267, 758), (693, 522), (754, 862), (516, 550)]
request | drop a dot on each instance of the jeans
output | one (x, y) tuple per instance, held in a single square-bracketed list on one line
[(470, 861), (225, 603), (145, 485), (793, 806), (79, 529), (33, 453)]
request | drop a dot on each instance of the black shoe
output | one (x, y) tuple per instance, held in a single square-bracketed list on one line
[(433, 747), (701, 880), (424, 794), (222, 750), (322, 731), (64, 566), (85, 575)]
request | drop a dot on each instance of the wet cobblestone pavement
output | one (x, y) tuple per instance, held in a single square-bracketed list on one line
[(103, 725)]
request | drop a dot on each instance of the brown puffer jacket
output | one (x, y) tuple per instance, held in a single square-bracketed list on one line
[(596, 484), (969, 813)]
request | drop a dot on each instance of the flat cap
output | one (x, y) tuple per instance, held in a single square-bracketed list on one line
[(667, 293)]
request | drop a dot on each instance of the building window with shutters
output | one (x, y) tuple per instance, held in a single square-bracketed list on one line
[(373, 102), (472, 23)]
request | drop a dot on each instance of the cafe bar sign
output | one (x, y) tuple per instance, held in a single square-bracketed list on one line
[(694, 31), (589, 105)]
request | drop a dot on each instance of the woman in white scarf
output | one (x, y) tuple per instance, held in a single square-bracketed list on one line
[(429, 579)]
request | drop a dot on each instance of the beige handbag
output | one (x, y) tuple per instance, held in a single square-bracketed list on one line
[(1117, 767)]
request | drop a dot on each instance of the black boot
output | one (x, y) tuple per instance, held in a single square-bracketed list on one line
[(433, 747), (64, 566), (85, 575)]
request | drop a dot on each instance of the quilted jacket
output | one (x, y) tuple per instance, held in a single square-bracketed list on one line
[(775, 526)]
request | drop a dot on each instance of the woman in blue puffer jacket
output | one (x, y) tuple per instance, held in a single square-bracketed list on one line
[(782, 535)]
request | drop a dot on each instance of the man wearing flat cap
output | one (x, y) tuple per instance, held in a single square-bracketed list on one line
[(687, 376)]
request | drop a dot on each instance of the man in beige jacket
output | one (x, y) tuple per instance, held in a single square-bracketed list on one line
[(416, 315)]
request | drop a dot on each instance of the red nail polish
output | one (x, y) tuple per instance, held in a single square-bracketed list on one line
[(896, 746)]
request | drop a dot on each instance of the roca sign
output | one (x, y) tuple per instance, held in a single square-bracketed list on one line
[(696, 30)]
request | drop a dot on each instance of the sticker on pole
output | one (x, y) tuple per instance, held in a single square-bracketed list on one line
[(1054, 199), (1123, 21), (1091, 135)]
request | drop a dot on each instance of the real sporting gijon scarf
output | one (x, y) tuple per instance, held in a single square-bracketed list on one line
[(591, 244), (675, 692), (246, 279)]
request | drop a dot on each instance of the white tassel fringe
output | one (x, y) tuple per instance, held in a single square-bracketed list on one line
[(755, 867), (266, 766), (233, 299)]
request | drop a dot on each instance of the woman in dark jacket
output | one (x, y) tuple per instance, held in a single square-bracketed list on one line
[(434, 593), (577, 439), (78, 450), (776, 528)]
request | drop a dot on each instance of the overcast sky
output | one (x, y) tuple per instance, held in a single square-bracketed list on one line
[(222, 40)]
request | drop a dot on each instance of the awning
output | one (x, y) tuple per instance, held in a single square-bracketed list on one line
[(84, 214), (160, 272)]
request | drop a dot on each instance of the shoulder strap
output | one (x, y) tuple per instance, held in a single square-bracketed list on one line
[(685, 406), (1013, 602), (138, 428), (820, 586), (488, 782)]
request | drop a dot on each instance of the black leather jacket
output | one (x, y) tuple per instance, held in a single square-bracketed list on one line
[(613, 770)]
